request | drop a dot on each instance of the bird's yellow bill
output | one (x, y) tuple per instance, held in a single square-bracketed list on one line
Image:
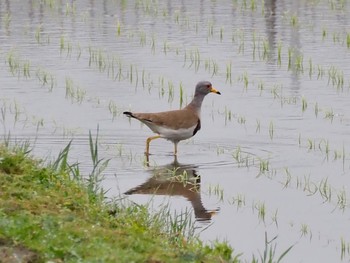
[(215, 91)]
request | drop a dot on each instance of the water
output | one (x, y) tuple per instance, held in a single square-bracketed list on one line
[(273, 153)]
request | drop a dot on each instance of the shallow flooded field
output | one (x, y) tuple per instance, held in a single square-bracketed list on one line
[(273, 156)]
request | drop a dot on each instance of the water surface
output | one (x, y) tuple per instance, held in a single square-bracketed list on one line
[(273, 153)]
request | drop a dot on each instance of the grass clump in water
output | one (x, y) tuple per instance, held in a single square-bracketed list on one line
[(48, 215)]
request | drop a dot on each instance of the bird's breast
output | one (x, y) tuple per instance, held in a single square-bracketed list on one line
[(178, 134)]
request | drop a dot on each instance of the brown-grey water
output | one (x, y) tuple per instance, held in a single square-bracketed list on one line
[(273, 152)]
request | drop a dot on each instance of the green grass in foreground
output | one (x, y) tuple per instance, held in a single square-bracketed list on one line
[(45, 215)]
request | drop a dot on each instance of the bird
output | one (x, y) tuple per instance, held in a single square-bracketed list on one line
[(176, 125)]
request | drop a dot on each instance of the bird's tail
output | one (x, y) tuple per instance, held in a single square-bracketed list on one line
[(129, 114)]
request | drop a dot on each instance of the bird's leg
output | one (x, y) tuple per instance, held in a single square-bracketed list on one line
[(148, 142), (175, 148), (147, 160)]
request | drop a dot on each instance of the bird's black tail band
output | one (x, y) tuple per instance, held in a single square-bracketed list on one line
[(129, 114)]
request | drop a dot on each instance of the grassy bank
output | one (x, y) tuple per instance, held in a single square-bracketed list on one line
[(48, 215)]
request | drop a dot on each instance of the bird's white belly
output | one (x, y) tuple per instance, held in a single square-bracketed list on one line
[(176, 135)]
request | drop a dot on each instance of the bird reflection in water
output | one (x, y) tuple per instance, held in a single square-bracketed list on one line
[(176, 179)]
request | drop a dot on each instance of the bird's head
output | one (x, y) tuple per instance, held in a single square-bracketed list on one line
[(205, 87)]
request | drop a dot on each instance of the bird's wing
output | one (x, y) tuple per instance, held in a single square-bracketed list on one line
[(177, 119)]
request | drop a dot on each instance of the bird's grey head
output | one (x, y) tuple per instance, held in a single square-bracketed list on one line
[(205, 87)]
